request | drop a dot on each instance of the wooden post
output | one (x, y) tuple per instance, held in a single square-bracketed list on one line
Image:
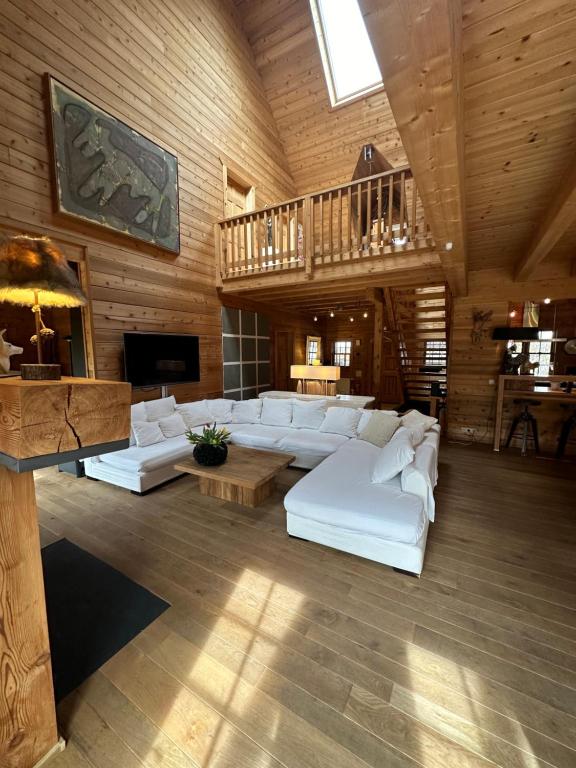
[(377, 348), (308, 243), (27, 712), (218, 247), (499, 408), (41, 423)]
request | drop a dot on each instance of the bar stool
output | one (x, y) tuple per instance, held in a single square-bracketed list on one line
[(567, 427), (529, 424)]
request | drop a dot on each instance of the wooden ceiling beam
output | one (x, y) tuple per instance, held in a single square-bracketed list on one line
[(418, 45), (560, 214)]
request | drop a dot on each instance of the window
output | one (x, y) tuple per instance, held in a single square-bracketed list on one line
[(435, 353), (313, 349), (342, 353), (540, 352), (350, 66)]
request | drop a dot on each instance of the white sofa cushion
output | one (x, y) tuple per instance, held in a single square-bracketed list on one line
[(172, 426), (257, 435), (341, 421), (339, 493), (159, 409), (276, 413), (220, 410), (393, 457), (147, 433), (311, 441), (246, 411), (156, 456), (379, 429), (195, 414), (416, 434), (308, 415), (417, 419)]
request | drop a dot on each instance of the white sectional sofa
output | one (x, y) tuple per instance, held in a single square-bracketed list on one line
[(338, 503)]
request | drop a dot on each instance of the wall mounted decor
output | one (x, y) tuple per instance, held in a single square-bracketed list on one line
[(109, 174), (479, 320)]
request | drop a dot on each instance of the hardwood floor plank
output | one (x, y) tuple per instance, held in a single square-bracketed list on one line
[(474, 664)]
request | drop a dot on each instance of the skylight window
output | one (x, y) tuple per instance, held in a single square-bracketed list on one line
[(348, 58)]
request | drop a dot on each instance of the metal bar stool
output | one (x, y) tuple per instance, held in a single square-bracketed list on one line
[(567, 426), (529, 426)]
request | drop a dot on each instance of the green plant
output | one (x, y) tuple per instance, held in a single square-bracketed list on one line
[(211, 435)]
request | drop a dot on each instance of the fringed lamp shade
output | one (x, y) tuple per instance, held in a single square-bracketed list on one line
[(34, 271)]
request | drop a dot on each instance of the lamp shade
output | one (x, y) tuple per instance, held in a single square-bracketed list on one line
[(34, 271), (315, 372)]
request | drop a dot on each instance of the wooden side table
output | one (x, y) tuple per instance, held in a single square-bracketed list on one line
[(42, 423)]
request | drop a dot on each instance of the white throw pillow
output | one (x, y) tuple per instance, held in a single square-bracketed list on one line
[(276, 413), (159, 409), (416, 419), (308, 415), (416, 434), (380, 429), (172, 426), (220, 410), (341, 421), (246, 411), (395, 455), (365, 415), (138, 412), (195, 414), (147, 433)]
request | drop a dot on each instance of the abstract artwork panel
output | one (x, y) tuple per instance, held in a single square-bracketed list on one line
[(111, 175)]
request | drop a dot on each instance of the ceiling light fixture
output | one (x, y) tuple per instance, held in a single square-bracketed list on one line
[(513, 313), (365, 315), (547, 300), (331, 313), (351, 319), (449, 245), (315, 318)]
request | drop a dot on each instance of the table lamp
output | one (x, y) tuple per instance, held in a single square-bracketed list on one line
[(324, 373), (34, 273)]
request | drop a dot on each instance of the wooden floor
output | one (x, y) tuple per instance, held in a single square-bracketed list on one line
[(278, 652)]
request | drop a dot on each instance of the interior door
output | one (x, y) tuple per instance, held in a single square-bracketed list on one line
[(283, 355)]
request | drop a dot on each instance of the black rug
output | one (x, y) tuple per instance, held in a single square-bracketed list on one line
[(93, 612)]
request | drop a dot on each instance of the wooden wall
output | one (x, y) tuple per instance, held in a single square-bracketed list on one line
[(322, 144), (474, 368), (182, 74), (361, 333)]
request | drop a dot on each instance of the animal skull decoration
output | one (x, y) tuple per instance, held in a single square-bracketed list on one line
[(6, 352)]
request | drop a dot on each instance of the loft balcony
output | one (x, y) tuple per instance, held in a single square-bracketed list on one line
[(368, 229)]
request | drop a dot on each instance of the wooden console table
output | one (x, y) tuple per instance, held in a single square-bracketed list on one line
[(534, 392), (42, 423)]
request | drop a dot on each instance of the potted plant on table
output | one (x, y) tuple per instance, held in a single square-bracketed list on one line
[(210, 447)]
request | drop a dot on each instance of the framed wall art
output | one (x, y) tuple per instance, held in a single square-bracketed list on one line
[(106, 173)]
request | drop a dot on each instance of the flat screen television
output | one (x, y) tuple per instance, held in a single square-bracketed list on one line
[(158, 359)]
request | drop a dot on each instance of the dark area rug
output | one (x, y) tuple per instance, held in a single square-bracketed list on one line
[(93, 612)]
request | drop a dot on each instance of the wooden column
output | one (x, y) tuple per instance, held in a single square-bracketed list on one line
[(42, 423), (27, 714), (377, 351)]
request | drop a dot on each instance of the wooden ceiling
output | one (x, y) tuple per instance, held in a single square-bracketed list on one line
[(321, 144), (520, 123), (518, 88)]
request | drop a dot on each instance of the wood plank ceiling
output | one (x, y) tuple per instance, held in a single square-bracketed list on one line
[(519, 78)]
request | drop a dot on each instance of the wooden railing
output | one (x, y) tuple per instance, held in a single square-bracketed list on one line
[(363, 219)]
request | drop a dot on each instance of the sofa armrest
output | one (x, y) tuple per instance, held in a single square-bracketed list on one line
[(419, 477)]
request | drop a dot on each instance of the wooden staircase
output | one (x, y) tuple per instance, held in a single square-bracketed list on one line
[(421, 318)]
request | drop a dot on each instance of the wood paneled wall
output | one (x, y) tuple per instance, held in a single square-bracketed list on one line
[(474, 368), (361, 334), (322, 144), (181, 73)]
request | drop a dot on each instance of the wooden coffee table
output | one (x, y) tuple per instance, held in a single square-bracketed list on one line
[(247, 477)]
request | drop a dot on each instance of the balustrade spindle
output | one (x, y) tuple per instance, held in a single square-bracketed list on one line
[(390, 207), (349, 249), (413, 228), (339, 212), (402, 204), (379, 226), (359, 221), (369, 217)]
